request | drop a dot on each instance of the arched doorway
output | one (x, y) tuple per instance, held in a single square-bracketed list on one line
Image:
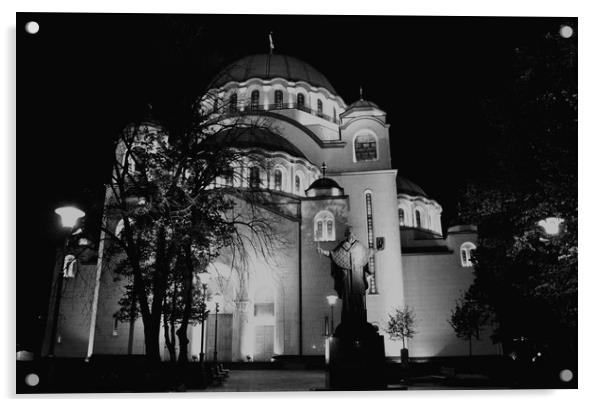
[(264, 321)]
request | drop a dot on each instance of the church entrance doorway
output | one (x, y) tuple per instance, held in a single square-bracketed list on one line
[(264, 343), (264, 321)]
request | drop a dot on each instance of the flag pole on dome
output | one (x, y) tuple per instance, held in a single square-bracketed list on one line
[(271, 39), (361, 93), (267, 65)]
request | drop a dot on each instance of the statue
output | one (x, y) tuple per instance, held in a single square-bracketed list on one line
[(349, 262)]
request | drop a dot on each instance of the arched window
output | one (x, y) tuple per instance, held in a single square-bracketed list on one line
[(254, 178), (278, 180), (466, 253), (115, 327), (278, 99), (370, 227), (215, 105), (255, 100), (402, 217), (320, 108), (229, 177), (119, 228), (418, 220), (297, 184), (69, 269), (365, 147), (324, 230), (233, 103), (300, 100)]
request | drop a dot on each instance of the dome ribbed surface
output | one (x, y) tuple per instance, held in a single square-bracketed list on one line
[(255, 138), (405, 186), (323, 183), (363, 104), (265, 66), (324, 187)]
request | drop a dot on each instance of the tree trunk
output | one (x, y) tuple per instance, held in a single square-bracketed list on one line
[(133, 314), (187, 294), (183, 341), (169, 339), (169, 343), (153, 328), (151, 331), (151, 341)]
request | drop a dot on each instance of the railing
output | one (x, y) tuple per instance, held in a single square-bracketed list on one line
[(256, 108)]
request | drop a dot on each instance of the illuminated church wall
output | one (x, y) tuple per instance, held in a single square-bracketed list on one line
[(388, 267), (317, 283), (261, 314), (74, 320), (434, 281)]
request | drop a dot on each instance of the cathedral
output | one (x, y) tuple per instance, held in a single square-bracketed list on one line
[(330, 162)]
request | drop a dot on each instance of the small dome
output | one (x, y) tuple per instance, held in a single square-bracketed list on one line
[(255, 138), (360, 105), (405, 186), (324, 187), (266, 66), (363, 104)]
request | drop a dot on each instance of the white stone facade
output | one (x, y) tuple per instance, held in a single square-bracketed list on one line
[(281, 307)]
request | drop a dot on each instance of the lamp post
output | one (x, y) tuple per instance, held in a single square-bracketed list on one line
[(203, 317), (216, 299), (332, 300), (69, 216)]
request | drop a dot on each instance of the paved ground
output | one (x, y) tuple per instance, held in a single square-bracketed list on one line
[(307, 380), (272, 380)]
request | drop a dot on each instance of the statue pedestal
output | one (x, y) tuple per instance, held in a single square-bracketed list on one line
[(355, 363)]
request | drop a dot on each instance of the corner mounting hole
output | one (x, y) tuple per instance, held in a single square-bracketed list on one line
[(566, 31), (32, 27), (32, 379), (566, 375)]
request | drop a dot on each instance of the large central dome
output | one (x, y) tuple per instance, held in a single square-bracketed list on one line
[(255, 138), (266, 66)]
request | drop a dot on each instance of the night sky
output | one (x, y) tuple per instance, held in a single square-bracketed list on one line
[(83, 77)]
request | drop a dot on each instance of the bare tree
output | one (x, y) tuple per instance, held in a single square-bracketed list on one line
[(468, 319), (401, 325), (178, 208)]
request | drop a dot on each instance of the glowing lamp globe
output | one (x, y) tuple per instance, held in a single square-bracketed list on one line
[(332, 299), (216, 300), (69, 215), (551, 225)]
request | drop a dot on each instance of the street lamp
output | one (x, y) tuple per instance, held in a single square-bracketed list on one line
[(69, 216), (551, 225), (203, 277), (332, 300), (216, 299)]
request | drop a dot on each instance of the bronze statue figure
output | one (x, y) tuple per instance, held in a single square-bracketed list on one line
[(349, 262)]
